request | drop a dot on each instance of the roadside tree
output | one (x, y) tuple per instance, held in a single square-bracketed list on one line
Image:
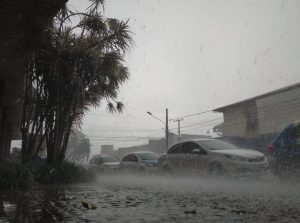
[(78, 64)]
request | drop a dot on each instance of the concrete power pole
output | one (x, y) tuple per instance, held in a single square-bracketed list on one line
[(178, 120), (167, 130)]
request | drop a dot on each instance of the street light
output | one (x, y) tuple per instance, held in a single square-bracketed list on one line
[(165, 123), (149, 113)]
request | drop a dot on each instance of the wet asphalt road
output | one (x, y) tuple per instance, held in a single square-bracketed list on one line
[(135, 198)]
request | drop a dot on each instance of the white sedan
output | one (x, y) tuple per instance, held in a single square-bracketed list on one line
[(212, 156)]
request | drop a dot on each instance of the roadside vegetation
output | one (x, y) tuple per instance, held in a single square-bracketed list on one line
[(76, 63), (14, 175), (75, 66)]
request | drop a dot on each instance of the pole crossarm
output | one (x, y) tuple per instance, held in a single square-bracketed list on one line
[(176, 119)]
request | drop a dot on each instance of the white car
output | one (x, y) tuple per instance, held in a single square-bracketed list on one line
[(212, 156), (139, 162), (100, 163)]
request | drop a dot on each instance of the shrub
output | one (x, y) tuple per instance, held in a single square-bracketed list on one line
[(14, 175), (64, 173)]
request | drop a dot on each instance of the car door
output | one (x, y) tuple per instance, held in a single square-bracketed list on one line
[(175, 157), (195, 157)]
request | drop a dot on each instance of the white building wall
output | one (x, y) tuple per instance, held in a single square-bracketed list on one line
[(241, 120), (277, 111), (235, 121)]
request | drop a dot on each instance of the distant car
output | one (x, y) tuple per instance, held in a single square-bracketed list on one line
[(139, 162), (285, 151), (104, 163), (213, 157)]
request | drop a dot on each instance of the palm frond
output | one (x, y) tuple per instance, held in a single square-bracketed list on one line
[(110, 107), (120, 107), (95, 5)]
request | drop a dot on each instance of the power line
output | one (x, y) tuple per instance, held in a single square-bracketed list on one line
[(199, 113), (125, 140), (199, 123), (275, 112), (278, 110), (197, 129), (122, 130)]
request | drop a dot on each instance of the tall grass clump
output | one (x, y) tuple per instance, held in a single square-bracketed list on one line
[(63, 173), (14, 175)]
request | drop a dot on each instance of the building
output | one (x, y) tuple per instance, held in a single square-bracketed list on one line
[(107, 149), (262, 116)]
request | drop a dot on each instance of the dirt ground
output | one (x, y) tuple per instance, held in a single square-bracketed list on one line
[(136, 198)]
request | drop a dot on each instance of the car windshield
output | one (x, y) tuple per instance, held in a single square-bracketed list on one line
[(217, 145), (147, 156), (108, 159)]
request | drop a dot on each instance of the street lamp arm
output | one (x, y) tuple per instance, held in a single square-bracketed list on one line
[(149, 113)]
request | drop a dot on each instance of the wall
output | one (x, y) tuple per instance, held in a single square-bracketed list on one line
[(241, 120), (277, 111)]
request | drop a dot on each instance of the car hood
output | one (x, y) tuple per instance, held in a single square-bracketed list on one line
[(111, 164), (239, 152)]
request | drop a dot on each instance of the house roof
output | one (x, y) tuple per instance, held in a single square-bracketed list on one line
[(278, 91)]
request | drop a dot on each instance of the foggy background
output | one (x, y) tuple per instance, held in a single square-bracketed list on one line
[(193, 56)]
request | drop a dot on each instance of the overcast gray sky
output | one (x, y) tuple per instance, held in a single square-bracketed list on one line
[(193, 56)]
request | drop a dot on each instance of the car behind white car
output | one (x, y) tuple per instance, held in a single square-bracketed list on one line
[(139, 162), (106, 163)]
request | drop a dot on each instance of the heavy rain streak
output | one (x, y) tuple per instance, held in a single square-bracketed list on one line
[(149, 111)]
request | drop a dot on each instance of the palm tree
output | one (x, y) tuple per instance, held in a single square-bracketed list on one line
[(77, 66)]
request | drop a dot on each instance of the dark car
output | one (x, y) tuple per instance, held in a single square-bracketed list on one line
[(104, 163), (285, 151)]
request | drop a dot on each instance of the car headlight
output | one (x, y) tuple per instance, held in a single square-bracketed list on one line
[(237, 158)]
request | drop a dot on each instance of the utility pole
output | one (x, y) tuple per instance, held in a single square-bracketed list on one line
[(178, 120), (167, 130)]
